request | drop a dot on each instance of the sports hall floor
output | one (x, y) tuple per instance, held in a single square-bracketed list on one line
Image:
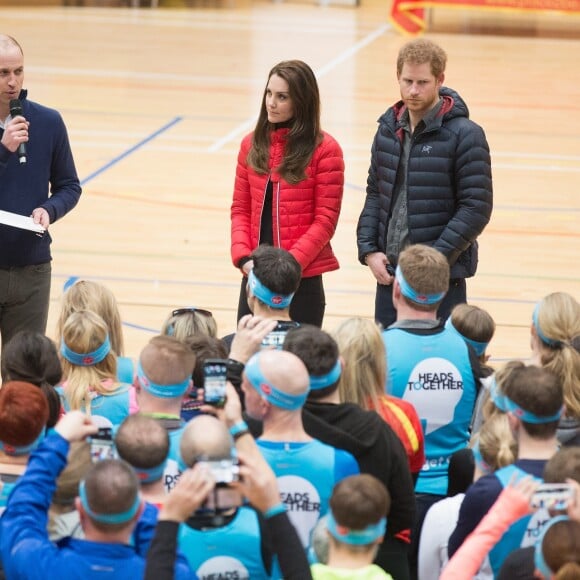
[(157, 100)]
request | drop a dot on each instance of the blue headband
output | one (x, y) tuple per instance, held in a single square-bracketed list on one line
[(323, 381), (356, 537), (150, 474), (539, 559), (549, 341), (478, 347), (266, 295), (161, 391), (412, 294), (269, 391), (86, 359), (505, 404), (17, 450), (121, 518), (484, 467)]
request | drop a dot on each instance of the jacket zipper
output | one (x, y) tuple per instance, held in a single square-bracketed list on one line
[(262, 208), (277, 213)]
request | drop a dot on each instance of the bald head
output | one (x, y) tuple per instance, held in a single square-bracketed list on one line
[(205, 435), (9, 43), (285, 371)]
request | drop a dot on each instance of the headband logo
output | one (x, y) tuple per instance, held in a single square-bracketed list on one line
[(342, 530), (266, 389), (422, 298), (142, 476), (88, 360), (9, 448), (277, 299)]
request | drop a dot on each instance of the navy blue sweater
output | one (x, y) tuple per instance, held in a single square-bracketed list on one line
[(48, 180)]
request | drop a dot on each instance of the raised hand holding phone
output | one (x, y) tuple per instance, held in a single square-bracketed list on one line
[(214, 381), (75, 426)]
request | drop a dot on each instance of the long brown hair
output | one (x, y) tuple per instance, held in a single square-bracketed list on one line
[(305, 132)]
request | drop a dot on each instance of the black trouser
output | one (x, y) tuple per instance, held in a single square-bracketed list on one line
[(386, 314), (307, 305), (24, 299)]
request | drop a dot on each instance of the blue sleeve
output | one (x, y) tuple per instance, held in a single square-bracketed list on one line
[(23, 527), (344, 465), (145, 529), (476, 503), (65, 188)]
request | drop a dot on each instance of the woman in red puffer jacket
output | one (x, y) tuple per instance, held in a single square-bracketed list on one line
[(288, 187)]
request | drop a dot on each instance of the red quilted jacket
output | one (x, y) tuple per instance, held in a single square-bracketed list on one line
[(304, 216)]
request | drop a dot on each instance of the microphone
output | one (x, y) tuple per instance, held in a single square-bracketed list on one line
[(15, 110)]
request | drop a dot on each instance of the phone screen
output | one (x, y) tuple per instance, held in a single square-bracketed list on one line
[(276, 338), (102, 445), (214, 382), (224, 471), (552, 495)]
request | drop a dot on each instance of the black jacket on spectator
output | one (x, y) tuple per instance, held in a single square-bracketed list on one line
[(449, 188)]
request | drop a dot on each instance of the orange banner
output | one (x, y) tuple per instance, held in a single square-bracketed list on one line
[(408, 17)]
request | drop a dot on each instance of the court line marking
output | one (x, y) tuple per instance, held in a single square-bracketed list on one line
[(131, 150)]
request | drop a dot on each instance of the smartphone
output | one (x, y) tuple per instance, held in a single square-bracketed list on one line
[(553, 496), (224, 471), (103, 445), (214, 381), (223, 497), (276, 337)]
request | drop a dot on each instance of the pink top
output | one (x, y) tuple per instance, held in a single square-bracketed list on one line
[(509, 507)]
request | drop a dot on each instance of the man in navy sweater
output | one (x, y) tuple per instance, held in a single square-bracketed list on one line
[(45, 187)]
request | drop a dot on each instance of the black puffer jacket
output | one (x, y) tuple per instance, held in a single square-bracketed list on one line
[(449, 185)]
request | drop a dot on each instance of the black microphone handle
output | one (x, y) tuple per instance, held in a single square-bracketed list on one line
[(15, 110), (22, 153)]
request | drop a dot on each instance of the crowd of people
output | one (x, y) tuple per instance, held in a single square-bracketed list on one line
[(359, 452), (381, 449)]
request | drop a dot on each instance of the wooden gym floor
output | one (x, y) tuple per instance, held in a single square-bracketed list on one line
[(156, 102)]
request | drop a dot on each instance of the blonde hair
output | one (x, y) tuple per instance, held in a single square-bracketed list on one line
[(364, 375), (496, 443), (88, 295), (84, 332), (189, 323), (558, 317)]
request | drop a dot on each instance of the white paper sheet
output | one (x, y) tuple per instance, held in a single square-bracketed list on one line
[(20, 221)]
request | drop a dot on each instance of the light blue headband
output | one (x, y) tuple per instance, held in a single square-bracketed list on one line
[(535, 318), (484, 467), (505, 404), (269, 391), (539, 559), (323, 381), (478, 347), (161, 391), (266, 295), (86, 359), (150, 474), (356, 537), (412, 294), (17, 450), (121, 518)]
